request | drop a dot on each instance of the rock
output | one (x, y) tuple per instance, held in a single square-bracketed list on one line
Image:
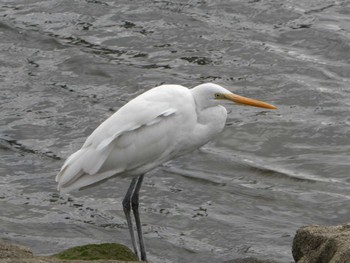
[(322, 244), (11, 253)]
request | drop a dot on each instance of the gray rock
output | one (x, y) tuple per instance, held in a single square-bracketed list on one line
[(322, 244), (12, 251)]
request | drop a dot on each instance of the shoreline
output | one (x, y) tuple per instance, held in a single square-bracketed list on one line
[(312, 243)]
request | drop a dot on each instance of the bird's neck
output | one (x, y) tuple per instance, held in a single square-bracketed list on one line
[(200, 100)]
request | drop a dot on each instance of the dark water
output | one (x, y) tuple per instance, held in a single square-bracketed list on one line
[(65, 66)]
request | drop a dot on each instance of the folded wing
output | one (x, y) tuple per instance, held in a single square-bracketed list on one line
[(141, 135)]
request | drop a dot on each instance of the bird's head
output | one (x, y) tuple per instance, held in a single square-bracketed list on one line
[(209, 94)]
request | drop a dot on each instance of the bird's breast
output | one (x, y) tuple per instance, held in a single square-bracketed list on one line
[(210, 122)]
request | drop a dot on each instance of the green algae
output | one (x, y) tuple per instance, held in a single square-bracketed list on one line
[(98, 251)]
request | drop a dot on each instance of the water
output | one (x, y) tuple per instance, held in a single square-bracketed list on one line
[(65, 66)]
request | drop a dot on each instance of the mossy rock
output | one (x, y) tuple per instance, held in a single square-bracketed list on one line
[(97, 252)]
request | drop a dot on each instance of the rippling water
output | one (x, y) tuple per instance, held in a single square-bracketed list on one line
[(65, 66)]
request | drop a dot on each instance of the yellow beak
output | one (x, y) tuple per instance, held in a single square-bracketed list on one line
[(246, 101)]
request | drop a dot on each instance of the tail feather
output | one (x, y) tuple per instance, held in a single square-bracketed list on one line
[(71, 159), (86, 180), (82, 168), (72, 169)]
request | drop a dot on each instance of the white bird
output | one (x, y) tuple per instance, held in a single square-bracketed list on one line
[(157, 126)]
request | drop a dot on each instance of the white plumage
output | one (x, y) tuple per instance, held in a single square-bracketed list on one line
[(158, 125)]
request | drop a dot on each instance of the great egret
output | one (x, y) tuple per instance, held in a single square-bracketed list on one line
[(159, 125)]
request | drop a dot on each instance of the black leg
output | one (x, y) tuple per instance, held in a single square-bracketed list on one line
[(135, 209), (127, 208)]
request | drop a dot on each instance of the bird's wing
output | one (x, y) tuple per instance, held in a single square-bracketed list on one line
[(143, 133), (133, 126)]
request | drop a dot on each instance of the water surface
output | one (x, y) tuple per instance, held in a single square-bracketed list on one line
[(66, 66)]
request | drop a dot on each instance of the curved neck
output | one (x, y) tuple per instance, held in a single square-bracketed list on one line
[(200, 99)]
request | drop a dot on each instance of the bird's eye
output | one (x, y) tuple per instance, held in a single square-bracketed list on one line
[(217, 95)]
